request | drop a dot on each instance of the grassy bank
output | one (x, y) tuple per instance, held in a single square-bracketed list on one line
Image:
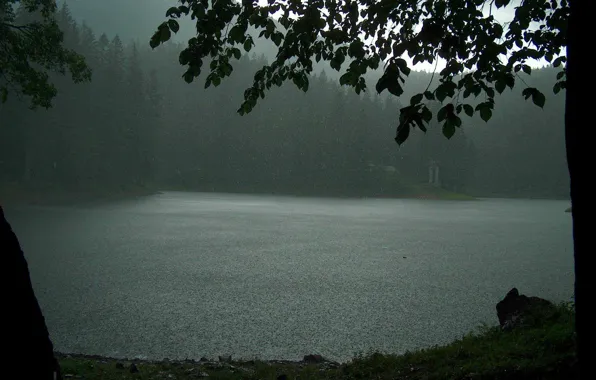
[(545, 350)]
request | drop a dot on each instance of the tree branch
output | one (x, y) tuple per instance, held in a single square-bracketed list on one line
[(21, 28), (432, 77)]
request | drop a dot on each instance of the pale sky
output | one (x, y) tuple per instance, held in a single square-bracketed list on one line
[(503, 15)]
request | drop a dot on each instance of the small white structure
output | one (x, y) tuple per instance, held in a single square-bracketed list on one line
[(433, 173)]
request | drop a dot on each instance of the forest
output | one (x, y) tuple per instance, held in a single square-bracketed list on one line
[(137, 123)]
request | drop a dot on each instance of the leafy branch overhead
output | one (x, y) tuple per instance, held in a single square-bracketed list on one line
[(481, 56), (31, 46)]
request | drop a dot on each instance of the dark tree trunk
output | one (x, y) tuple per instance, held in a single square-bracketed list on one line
[(25, 336), (577, 135)]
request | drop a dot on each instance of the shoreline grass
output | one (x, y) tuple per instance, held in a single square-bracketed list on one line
[(542, 351)]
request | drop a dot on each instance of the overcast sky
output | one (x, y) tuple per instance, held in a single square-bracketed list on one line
[(137, 19)]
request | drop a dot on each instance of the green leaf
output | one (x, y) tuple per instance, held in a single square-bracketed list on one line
[(173, 11), (403, 132), (246, 107), (389, 81), (184, 9), (457, 121), (538, 98), (429, 95), (227, 69), (174, 26), (426, 115), (236, 34), (440, 93), (164, 33), (469, 110), (277, 38), (403, 66), (442, 114), (184, 57), (500, 86), (548, 57), (395, 88), (557, 88), (527, 69), (188, 77), (155, 40), (477, 90), (305, 83), (216, 80), (405, 114), (356, 49), (448, 128), (557, 62), (560, 75), (198, 11), (345, 79), (528, 92), (418, 120), (247, 45), (416, 99), (337, 60), (510, 81), (237, 53), (486, 113)]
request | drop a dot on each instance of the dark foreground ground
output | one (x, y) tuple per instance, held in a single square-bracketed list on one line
[(541, 350)]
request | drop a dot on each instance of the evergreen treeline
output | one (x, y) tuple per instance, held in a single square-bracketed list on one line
[(139, 123)]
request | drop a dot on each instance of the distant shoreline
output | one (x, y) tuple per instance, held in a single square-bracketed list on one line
[(434, 194), (54, 196), (45, 195)]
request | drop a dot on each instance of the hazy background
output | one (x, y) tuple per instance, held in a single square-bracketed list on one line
[(139, 124)]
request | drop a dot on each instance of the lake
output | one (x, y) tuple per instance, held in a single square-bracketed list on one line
[(185, 275)]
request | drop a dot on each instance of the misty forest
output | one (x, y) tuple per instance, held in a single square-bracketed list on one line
[(154, 227), (139, 124)]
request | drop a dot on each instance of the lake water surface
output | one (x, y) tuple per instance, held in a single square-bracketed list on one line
[(188, 275)]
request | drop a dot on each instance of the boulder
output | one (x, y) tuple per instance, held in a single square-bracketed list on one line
[(133, 368), (514, 309), (314, 359), (225, 359)]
